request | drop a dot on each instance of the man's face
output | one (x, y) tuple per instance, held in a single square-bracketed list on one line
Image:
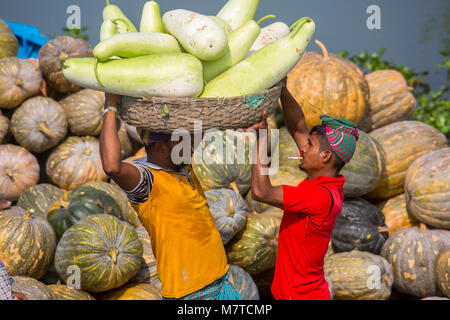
[(312, 159)]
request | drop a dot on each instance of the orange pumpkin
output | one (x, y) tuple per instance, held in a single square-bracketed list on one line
[(19, 169), (19, 80), (328, 84), (53, 53), (395, 214), (74, 162), (390, 100)]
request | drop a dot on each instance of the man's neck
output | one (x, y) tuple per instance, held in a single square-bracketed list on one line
[(322, 173), (161, 164)]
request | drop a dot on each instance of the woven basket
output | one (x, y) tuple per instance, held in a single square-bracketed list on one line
[(165, 115)]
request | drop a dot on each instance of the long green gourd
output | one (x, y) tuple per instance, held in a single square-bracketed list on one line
[(238, 12), (239, 43), (135, 44), (151, 20), (113, 12), (264, 68), (161, 74)]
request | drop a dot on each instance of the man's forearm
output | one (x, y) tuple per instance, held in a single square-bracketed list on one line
[(292, 113), (110, 144)]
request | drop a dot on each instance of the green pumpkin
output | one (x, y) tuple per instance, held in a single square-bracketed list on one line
[(243, 283), (38, 199), (255, 248), (359, 275), (365, 168), (128, 213), (360, 226), (62, 292), (218, 167), (9, 45), (27, 243), (32, 289), (229, 211), (77, 204), (107, 251)]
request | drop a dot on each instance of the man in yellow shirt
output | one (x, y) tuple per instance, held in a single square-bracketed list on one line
[(191, 259)]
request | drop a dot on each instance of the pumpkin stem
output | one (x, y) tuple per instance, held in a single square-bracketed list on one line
[(64, 204), (63, 56), (386, 229), (266, 17), (19, 82), (230, 211), (113, 253), (410, 89), (323, 48), (422, 227), (27, 215), (42, 127), (107, 2), (386, 279), (9, 173), (233, 186), (87, 152)]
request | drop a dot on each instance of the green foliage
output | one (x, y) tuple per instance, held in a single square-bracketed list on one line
[(76, 33), (369, 62), (433, 108)]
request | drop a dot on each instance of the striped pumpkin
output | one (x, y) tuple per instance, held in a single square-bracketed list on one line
[(39, 124), (390, 100), (56, 51), (62, 292), (255, 248), (84, 112), (395, 214), (427, 189), (9, 45), (27, 243), (412, 255), (77, 204), (328, 84), (4, 128), (32, 289), (106, 249), (75, 161), (19, 169), (39, 198), (218, 167), (402, 143), (364, 169), (128, 214), (442, 271), (243, 283), (147, 273), (142, 291), (359, 275), (285, 175), (229, 211), (19, 80)]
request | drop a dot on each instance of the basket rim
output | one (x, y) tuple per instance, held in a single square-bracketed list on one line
[(275, 87)]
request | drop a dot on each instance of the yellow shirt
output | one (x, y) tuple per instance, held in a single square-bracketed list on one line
[(185, 241)]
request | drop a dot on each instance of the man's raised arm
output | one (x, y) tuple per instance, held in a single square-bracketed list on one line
[(124, 174), (293, 117)]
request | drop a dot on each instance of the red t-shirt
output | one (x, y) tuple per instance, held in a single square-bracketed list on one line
[(305, 233)]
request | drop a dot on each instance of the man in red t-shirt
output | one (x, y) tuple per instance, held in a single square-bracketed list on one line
[(311, 207)]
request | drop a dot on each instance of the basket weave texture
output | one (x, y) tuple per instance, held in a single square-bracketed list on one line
[(164, 115)]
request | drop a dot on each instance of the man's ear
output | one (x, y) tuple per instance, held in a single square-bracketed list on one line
[(327, 156)]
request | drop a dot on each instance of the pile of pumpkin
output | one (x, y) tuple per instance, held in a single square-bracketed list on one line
[(71, 228)]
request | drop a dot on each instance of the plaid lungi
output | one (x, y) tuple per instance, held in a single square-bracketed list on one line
[(221, 289), (5, 284)]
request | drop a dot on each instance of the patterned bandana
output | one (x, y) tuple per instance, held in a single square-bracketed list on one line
[(342, 135), (148, 137)]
